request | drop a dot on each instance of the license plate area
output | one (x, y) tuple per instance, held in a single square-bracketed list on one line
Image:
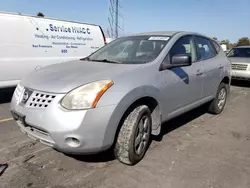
[(18, 117)]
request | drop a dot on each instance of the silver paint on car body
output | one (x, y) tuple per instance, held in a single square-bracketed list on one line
[(96, 128)]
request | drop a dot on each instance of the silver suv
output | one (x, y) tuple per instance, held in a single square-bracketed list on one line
[(120, 95), (240, 62)]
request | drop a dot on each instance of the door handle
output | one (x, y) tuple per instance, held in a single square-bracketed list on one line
[(220, 66), (199, 73)]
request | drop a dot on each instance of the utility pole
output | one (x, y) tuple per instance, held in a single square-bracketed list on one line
[(113, 18), (116, 19)]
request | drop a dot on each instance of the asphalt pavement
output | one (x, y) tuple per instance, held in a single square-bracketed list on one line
[(196, 150)]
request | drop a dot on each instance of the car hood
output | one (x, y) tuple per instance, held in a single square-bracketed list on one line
[(63, 77), (239, 60)]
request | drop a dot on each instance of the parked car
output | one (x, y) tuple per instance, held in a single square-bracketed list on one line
[(109, 100), (240, 59), (227, 51), (28, 43)]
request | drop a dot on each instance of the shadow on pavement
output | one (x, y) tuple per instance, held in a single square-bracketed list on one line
[(240, 83), (6, 94), (105, 156), (181, 120), (167, 128)]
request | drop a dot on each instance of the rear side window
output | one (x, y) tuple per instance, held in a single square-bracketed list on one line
[(216, 46), (204, 48)]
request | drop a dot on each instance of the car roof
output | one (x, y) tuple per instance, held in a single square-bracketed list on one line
[(164, 33), (242, 47), (167, 33)]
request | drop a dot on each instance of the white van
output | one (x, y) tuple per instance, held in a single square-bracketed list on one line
[(30, 42)]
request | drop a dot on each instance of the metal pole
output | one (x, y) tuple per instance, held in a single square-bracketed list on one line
[(116, 18)]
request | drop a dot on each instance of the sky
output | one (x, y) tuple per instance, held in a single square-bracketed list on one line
[(224, 19)]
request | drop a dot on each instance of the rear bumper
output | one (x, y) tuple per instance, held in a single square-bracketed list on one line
[(240, 75)]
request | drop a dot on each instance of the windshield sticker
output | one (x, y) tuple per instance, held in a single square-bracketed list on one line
[(159, 38)]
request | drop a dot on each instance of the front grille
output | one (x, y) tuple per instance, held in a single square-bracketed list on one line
[(239, 66), (40, 99), (240, 78)]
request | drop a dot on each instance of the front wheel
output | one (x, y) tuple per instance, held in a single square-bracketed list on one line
[(219, 102), (134, 136)]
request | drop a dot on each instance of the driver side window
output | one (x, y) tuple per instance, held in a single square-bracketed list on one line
[(184, 46)]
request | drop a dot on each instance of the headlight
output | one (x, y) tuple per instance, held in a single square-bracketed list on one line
[(86, 96)]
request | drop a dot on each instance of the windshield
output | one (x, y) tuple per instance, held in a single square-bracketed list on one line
[(239, 52), (131, 50)]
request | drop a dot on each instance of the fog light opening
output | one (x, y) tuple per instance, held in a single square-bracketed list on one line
[(72, 142)]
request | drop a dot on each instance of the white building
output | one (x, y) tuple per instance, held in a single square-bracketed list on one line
[(224, 47)]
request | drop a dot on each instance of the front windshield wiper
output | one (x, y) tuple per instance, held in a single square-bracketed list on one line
[(105, 61), (85, 59)]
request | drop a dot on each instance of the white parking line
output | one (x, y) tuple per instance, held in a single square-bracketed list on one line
[(5, 120), (6, 162), (16, 144)]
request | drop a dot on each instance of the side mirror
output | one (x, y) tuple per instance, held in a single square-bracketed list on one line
[(181, 61)]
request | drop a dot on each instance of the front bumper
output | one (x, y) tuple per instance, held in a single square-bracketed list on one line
[(56, 126), (240, 75)]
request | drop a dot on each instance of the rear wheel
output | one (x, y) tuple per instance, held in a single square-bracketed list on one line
[(134, 136), (219, 102)]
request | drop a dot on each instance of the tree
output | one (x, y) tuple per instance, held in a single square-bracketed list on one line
[(225, 41), (244, 41), (40, 14), (215, 38), (232, 45)]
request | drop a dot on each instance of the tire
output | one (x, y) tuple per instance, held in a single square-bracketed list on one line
[(215, 107), (127, 150)]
